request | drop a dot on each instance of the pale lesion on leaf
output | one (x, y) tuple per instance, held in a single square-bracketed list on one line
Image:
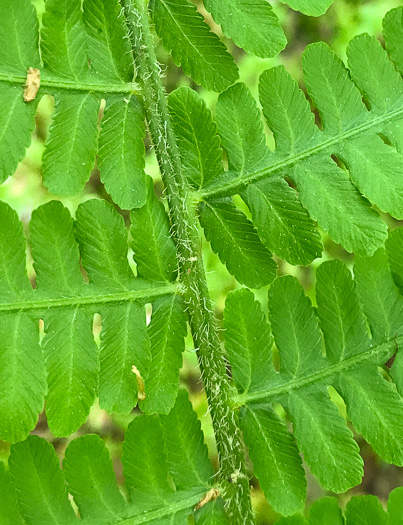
[(32, 84), (211, 495), (140, 383)]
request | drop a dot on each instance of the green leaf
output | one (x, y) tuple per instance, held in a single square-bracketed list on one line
[(275, 457), (292, 520), (187, 455), (9, 510), (121, 151), (254, 27), (166, 332), (373, 406), (124, 344), (383, 305), (282, 223), (234, 239), (212, 513), (193, 46), (197, 138), (108, 44), (63, 40), (16, 126), (295, 327), (325, 441), (340, 312), (241, 129), (248, 341), (365, 510), (72, 361), (153, 246), (72, 143), (309, 7), (91, 480), (325, 510), (18, 39), (22, 374), (102, 237), (394, 248), (40, 484), (395, 503), (393, 34)]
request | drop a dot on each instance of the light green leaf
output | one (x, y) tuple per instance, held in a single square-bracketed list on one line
[(40, 484), (340, 312), (197, 138), (72, 143), (108, 44), (124, 344), (91, 480), (121, 151), (248, 341), (193, 46), (241, 129), (234, 239), (395, 503), (254, 27), (154, 248), (102, 237), (309, 7), (295, 327), (282, 223), (393, 34), (365, 510), (325, 440), (383, 305), (325, 510), (373, 406), (292, 520), (166, 331), (275, 457), (9, 510)]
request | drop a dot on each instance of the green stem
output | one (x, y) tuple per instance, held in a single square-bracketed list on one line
[(233, 477)]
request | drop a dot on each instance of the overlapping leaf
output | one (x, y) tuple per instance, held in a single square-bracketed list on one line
[(86, 57), (347, 357), (362, 510), (166, 468), (331, 175), (69, 365)]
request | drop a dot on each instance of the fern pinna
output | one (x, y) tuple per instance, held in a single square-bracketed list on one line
[(338, 179)]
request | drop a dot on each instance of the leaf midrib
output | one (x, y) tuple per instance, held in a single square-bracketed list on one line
[(45, 303), (316, 377), (244, 179)]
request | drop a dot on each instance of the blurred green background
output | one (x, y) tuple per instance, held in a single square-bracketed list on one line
[(24, 192)]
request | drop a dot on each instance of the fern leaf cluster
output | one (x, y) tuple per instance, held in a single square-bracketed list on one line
[(166, 468), (342, 343), (65, 366)]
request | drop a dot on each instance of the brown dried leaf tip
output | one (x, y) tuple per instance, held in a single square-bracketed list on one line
[(32, 84), (211, 495), (140, 383)]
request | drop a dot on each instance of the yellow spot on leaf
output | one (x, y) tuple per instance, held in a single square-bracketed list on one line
[(140, 383), (32, 84)]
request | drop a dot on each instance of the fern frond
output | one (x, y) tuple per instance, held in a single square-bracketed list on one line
[(364, 510), (86, 57), (351, 364), (165, 463), (66, 304), (332, 175)]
